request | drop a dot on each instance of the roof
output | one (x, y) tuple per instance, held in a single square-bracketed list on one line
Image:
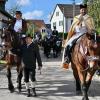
[(68, 10), (38, 23), (4, 0), (48, 26), (2, 9), (5, 13)]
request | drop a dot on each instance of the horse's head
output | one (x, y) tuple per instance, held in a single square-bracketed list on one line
[(6, 37), (93, 48)]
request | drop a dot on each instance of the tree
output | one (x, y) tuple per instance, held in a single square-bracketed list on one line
[(12, 10), (93, 10), (85, 1)]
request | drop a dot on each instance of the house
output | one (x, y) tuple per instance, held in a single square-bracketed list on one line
[(35, 26), (3, 15), (62, 17), (39, 25)]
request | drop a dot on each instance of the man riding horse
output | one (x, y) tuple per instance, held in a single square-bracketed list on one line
[(17, 27), (82, 24)]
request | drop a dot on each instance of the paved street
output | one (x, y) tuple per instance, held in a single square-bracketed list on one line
[(55, 83)]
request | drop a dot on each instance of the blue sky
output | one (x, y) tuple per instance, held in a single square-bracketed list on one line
[(38, 9)]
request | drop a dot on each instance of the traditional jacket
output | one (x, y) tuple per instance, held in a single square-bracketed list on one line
[(30, 54), (12, 23), (88, 21), (85, 22)]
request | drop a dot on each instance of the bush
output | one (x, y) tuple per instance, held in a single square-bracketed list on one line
[(98, 31), (61, 35)]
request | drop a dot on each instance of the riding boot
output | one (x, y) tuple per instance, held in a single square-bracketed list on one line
[(34, 92), (67, 57), (28, 93)]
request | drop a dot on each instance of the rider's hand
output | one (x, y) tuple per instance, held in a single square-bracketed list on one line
[(81, 18), (19, 30)]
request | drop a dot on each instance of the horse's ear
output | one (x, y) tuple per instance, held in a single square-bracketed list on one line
[(89, 36)]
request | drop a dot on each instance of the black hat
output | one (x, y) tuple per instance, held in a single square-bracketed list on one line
[(83, 6), (18, 12), (54, 27), (29, 36)]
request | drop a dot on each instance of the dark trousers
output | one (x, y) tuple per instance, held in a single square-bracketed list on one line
[(29, 73)]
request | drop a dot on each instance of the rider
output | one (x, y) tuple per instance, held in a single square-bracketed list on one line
[(82, 23), (55, 32), (18, 26)]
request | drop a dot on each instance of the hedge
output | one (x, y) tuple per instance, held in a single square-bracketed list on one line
[(61, 35)]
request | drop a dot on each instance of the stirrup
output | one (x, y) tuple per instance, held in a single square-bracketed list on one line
[(65, 65), (67, 60)]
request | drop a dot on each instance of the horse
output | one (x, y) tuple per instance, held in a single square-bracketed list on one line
[(10, 41), (85, 60), (56, 45), (46, 43)]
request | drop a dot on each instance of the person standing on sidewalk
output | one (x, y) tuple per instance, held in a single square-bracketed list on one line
[(30, 54)]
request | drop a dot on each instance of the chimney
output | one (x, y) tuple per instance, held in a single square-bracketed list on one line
[(2, 4)]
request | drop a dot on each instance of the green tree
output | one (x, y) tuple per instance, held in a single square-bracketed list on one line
[(94, 11), (85, 1), (31, 27)]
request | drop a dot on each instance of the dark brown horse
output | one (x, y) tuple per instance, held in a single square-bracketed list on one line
[(85, 61), (10, 41)]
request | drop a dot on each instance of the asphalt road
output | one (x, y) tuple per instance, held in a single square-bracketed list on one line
[(54, 83)]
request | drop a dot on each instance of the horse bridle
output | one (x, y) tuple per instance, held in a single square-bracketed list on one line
[(90, 58)]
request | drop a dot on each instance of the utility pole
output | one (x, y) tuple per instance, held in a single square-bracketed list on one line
[(73, 8), (63, 26)]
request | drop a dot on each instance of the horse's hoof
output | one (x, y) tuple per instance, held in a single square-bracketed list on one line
[(19, 90), (78, 93), (85, 98), (12, 90)]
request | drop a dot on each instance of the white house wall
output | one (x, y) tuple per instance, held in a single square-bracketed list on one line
[(67, 21), (57, 19)]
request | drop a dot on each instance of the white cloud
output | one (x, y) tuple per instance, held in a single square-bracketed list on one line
[(23, 2), (33, 15)]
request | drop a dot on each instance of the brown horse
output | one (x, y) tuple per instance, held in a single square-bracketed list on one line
[(10, 40), (85, 60)]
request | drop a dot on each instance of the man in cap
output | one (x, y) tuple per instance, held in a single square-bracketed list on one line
[(82, 24), (30, 54), (17, 24)]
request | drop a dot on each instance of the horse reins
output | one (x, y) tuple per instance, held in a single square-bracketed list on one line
[(84, 56)]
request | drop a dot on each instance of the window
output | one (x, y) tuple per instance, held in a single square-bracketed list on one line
[(54, 24), (60, 23), (57, 13)]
